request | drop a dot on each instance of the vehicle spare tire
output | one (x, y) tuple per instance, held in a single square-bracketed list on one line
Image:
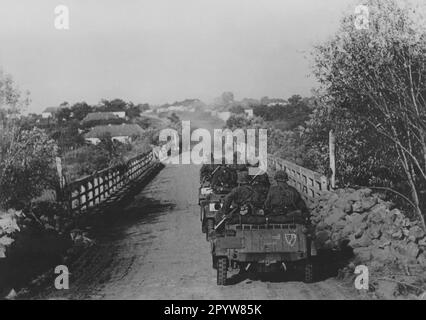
[(222, 270), (308, 272)]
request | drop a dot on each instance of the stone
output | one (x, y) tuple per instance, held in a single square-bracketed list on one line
[(405, 232), (362, 255), (323, 236), (405, 252), (354, 196), (366, 192), (416, 232), (374, 231), (364, 241), (321, 226), (368, 203), (333, 197), (356, 219), (347, 230), (396, 216), (378, 213), (382, 254), (348, 208), (340, 225), (398, 234), (344, 204), (412, 250), (386, 289), (336, 215), (422, 259), (357, 207)]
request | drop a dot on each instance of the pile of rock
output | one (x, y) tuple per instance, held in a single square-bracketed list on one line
[(380, 235)]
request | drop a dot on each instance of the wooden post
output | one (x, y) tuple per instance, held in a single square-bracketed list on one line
[(60, 193), (332, 150)]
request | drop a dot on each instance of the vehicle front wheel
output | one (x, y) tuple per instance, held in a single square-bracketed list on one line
[(222, 270), (209, 228), (308, 272)]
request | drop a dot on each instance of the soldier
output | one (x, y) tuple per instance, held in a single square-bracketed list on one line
[(224, 177), (207, 170), (283, 198), (243, 195), (260, 179)]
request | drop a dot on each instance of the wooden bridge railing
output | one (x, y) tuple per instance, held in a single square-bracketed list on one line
[(90, 191), (309, 183)]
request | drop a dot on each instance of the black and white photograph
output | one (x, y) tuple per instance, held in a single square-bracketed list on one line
[(214, 156)]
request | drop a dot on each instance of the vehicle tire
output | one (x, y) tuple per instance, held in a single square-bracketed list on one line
[(308, 275), (222, 270), (209, 228)]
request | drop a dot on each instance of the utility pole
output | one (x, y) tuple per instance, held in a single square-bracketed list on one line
[(332, 150)]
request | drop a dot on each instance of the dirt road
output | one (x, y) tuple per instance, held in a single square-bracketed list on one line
[(154, 249)]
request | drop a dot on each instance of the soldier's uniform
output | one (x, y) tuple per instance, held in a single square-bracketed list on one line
[(283, 198), (206, 171), (244, 194), (261, 184), (224, 177)]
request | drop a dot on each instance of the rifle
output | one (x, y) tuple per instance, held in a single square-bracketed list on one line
[(211, 174), (225, 217)]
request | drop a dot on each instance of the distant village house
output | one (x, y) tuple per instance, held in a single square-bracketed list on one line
[(123, 133), (49, 112), (99, 116)]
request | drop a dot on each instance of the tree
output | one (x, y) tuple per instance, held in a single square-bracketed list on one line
[(68, 136), (143, 107), (237, 109), (227, 97), (377, 78), (133, 111), (26, 156), (80, 110), (113, 105), (63, 114)]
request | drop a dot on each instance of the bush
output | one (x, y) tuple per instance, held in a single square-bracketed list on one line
[(27, 167)]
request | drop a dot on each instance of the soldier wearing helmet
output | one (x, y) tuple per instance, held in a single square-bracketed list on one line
[(207, 170), (224, 177), (259, 178), (243, 195), (283, 198)]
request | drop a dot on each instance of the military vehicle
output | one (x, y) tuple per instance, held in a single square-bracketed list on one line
[(263, 243)]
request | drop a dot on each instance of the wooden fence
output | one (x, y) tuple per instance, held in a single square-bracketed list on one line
[(93, 190), (309, 183)]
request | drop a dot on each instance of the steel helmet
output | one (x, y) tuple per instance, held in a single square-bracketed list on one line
[(281, 175)]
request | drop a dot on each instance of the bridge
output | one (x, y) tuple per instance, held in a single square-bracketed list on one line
[(152, 247)]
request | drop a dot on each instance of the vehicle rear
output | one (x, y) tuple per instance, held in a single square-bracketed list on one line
[(262, 244)]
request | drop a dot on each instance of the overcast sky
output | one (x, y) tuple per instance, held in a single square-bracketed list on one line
[(160, 51)]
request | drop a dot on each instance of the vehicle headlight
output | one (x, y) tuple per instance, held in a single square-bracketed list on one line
[(205, 191), (214, 206)]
